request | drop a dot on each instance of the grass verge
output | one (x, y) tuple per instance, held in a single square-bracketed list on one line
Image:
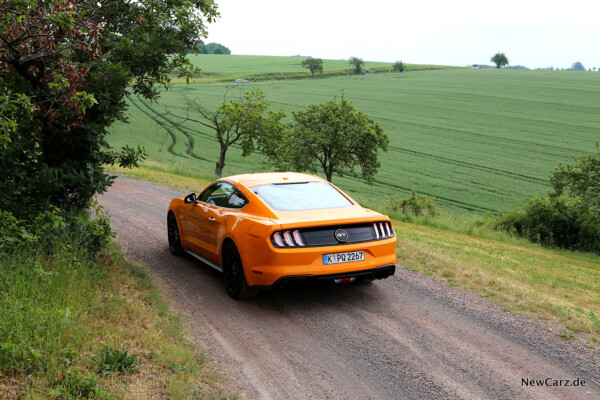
[(554, 285), (181, 178), (72, 327)]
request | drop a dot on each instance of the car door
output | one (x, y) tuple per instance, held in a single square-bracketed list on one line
[(208, 217)]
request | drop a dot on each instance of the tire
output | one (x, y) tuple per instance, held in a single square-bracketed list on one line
[(173, 234), (233, 274)]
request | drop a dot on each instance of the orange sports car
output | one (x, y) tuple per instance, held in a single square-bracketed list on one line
[(261, 230)]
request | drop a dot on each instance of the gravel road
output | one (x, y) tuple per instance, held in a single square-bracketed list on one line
[(406, 337)]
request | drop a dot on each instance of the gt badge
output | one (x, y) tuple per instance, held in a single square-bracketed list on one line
[(341, 235)]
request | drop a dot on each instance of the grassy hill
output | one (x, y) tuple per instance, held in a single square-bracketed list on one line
[(476, 140), (228, 68)]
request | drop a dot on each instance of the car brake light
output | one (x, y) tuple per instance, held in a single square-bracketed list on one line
[(289, 238), (277, 238), (383, 230), (297, 238)]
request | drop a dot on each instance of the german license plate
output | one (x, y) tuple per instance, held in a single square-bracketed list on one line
[(337, 258)]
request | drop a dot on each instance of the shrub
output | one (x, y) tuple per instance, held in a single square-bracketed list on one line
[(415, 204), (554, 221), (570, 216), (81, 229)]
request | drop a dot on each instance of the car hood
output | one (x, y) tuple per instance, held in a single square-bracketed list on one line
[(329, 216)]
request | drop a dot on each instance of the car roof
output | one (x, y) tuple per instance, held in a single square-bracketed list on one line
[(265, 178)]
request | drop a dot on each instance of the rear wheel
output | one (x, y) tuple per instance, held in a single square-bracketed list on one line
[(233, 274), (173, 234)]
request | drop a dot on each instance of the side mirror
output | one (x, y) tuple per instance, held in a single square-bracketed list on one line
[(190, 198)]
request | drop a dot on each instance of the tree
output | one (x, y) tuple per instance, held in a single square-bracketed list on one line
[(577, 66), (333, 137), (216, 48), (499, 59), (358, 63), (398, 66), (65, 70), (313, 65), (246, 120)]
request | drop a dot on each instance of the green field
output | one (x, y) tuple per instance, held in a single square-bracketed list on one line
[(476, 140), (228, 68)]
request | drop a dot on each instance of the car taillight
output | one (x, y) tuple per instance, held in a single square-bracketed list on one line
[(289, 238), (383, 230)]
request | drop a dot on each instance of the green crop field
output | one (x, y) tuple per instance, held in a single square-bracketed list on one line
[(228, 68), (476, 140)]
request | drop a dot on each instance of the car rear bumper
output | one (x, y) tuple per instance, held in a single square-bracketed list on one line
[(381, 272), (270, 266)]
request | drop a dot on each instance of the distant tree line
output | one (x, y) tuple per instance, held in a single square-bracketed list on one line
[(210, 48)]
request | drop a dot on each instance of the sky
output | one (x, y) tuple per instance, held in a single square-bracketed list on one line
[(453, 32)]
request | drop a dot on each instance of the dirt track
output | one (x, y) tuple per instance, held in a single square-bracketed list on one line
[(405, 337)]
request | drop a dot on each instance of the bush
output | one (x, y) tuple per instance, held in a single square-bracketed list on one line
[(81, 229), (415, 204), (554, 221), (570, 216)]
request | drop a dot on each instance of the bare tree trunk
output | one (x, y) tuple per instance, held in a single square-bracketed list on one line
[(329, 173), (221, 163)]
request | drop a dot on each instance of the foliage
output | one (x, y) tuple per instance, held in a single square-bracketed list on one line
[(332, 137), (247, 121), (80, 230), (210, 48), (577, 66), (65, 69), (415, 204), (357, 63), (553, 221), (313, 65), (499, 59), (398, 66), (570, 216), (115, 361), (580, 180)]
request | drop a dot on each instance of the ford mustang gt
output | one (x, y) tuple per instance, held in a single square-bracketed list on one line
[(264, 229)]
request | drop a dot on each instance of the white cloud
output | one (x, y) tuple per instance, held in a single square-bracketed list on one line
[(531, 33)]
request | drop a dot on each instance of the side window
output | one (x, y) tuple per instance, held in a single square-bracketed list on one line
[(237, 200), (206, 196), (223, 194)]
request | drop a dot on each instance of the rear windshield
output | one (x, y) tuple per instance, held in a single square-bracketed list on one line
[(301, 196)]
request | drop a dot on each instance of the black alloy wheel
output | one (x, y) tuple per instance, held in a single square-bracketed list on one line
[(173, 233), (233, 274)]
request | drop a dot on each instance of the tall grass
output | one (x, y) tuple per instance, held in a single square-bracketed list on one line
[(43, 309), (60, 309)]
